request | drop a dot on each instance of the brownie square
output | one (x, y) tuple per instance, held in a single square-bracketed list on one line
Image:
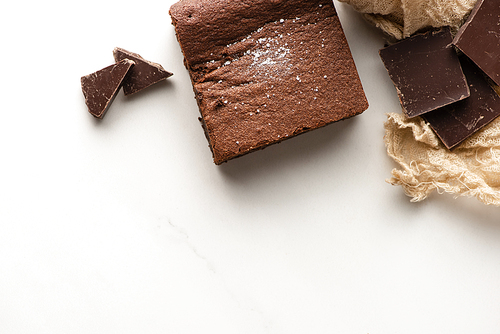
[(264, 71)]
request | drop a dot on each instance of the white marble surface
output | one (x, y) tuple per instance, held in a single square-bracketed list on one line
[(126, 225)]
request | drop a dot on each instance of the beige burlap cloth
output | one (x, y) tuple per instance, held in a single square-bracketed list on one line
[(425, 165), (472, 169), (401, 18)]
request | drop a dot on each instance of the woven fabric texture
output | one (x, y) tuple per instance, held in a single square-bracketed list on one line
[(472, 169), (402, 18)]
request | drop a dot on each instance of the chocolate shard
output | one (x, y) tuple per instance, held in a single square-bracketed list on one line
[(100, 88), (426, 72), (456, 122), (144, 73), (479, 37)]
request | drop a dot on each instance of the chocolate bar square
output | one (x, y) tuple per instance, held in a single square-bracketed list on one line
[(458, 121), (426, 72), (265, 71), (479, 37)]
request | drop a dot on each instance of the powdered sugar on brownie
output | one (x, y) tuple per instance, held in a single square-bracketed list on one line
[(269, 54)]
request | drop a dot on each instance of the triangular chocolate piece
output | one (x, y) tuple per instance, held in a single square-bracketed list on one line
[(100, 88), (144, 73)]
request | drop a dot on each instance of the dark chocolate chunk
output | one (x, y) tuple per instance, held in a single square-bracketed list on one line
[(479, 37), (144, 74), (425, 70), (456, 122), (100, 88), (265, 71)]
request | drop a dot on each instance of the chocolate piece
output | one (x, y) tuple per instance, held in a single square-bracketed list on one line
[(265, 71), (479, 37), (143, 74), (456, 122), (100, 88), (426, 72)]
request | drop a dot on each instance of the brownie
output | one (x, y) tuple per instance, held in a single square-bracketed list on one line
[(264, 71)]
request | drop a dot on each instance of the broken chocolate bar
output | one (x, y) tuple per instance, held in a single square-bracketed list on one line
[(100, 88), (425, 70), (143, 74), (456, 122), (479, 37)]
